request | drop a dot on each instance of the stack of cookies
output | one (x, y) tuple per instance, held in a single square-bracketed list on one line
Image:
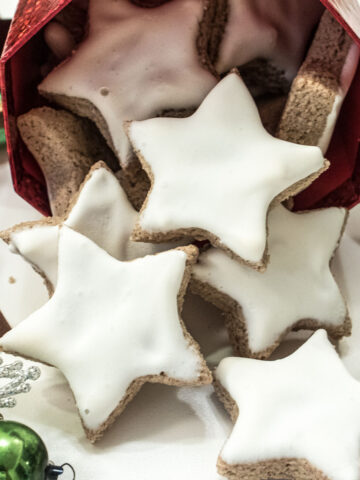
[(174, 136)]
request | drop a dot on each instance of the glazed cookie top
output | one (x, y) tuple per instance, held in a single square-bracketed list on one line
[(105, 329), (297, 284), (277, 31), (134, 64), (303, 406), (215, 173), (101, 212)]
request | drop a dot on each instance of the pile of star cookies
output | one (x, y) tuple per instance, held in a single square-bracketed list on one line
[(177, 135)]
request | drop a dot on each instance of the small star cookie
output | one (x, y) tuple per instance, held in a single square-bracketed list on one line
[(134, 64), (297, 290), (101, 211), (215, 174), (112, 326), (296, 418)]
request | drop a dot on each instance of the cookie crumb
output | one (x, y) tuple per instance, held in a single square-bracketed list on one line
[(12, 280)]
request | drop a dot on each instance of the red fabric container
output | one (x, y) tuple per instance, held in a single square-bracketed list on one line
[(24, 53)]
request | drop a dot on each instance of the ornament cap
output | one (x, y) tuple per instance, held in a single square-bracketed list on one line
[(52, 472)]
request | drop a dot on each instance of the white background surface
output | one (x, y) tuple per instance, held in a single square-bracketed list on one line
[(166, 433)]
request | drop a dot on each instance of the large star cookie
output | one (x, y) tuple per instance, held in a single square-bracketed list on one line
[(296, 291), (111, 326), (101, 211), (134, 64), (295, 418), (215, 174)]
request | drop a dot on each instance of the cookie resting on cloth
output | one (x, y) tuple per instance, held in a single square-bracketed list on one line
[(101, 211), (277, 32), (297, 290), (112, 326), (215, 174), (134, 64), (295, 418)]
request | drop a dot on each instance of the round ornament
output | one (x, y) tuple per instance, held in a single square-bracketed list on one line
[(23, 455)]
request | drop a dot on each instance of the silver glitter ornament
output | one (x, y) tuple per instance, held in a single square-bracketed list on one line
[(19, 381)]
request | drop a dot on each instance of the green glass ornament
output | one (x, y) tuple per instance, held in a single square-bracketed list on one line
[(23, 455)]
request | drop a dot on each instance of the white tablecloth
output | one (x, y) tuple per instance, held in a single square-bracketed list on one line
[(166, 433)]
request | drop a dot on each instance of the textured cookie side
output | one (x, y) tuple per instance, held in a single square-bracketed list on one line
[(65, 148), (211, 32), (315, 88), (283, 468)]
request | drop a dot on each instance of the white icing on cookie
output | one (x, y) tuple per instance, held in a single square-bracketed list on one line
[(297, 283), (108, 323), (276, 31), (303, 406), (346, 79), (102, 213), (219, 170), (39, 246), (135, 63), (59, 39)]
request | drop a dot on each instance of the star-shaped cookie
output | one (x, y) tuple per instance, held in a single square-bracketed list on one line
[(111, 326), (296, 418), (65, 147), (215, 174), (296, 291), (134, 64), (101, 211), (267, 31)]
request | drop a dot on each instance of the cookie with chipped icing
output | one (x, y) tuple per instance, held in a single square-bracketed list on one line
[(65, 147), (297, 290), (101, 211), (266, 39), (215, 174), (320, 86), (295, 418), (121, 327), (125, 70)]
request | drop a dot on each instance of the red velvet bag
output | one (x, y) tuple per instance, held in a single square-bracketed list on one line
[(20, 74)]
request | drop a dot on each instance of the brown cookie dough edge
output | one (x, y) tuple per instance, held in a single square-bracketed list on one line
[(211, 31), (314, 89), (287, 468), (65, 147)]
